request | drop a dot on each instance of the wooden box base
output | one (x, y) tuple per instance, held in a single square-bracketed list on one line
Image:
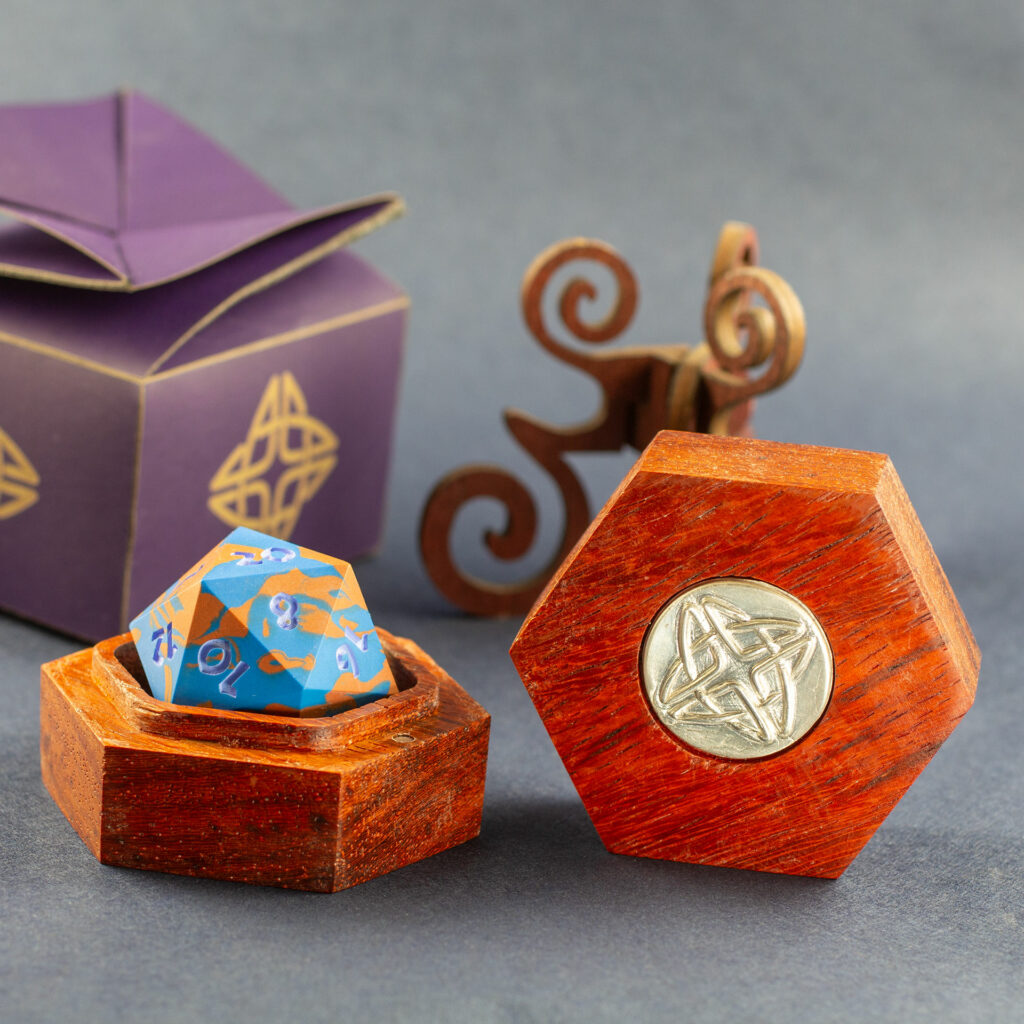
[(318, 803)]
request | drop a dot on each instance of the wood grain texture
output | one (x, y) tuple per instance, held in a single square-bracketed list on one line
[(835, 529), (318, 804)]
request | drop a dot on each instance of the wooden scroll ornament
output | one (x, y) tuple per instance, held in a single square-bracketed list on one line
[(752, 322)]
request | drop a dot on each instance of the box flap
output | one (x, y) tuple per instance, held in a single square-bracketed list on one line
[(120, 194), (339, 290), (142, 333)]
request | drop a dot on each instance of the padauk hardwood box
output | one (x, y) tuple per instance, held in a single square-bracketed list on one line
[(303, 803), (835, 531)]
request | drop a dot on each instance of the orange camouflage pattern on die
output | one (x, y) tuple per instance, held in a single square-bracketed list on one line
[(261, 624)]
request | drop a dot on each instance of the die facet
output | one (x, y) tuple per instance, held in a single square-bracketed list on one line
[(261, 624)]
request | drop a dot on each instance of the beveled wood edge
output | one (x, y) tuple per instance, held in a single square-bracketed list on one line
[(758, 461), (927, 571), (275, 732), (750, 460)]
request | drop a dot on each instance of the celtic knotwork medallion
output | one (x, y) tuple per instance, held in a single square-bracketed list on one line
[(18, 479), (283, 461), (737, 668)]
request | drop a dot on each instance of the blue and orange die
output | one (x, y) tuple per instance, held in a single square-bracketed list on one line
[(261, 624)]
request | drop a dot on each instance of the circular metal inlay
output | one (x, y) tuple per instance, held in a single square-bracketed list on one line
[(737, 668)]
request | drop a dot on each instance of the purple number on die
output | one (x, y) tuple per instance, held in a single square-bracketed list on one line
[(164, 637), (215, 657), (278, 554), (285, 607), (345, 653), (266, 555)]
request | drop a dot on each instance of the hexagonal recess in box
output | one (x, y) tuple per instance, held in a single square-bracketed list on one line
[(657, 685)]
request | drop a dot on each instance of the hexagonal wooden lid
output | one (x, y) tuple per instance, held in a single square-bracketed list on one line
[(834, 531)]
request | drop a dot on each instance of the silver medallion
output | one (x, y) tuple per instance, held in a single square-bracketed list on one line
[(737, 668)]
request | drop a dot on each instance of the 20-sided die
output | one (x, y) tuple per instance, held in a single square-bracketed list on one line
[(261, 624)]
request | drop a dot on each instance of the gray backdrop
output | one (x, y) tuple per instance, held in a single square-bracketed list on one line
[(878, 150)]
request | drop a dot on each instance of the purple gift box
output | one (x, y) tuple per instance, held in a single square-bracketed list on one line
[(181, 352)]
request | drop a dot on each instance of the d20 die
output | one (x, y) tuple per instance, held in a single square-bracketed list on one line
[(260, 624), (749, 656)]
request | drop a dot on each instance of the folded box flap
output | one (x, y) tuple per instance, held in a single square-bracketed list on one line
[(120, 194), (146, 331), (62, 159)]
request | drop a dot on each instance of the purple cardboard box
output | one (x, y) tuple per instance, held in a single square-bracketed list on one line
[(181, 352)]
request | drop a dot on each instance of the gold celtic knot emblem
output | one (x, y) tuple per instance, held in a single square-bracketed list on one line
[(742, 669), (284, 460), (18, 479)]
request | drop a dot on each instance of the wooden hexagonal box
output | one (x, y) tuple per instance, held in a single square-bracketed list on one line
[(302, 803), (749, 656)]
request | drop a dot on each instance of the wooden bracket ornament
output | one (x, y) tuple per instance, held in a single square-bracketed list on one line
[(750, 655), (302, 803), (752, 322)]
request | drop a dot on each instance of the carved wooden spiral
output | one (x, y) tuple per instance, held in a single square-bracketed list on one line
[(535, 284), (743, 337), (753, 322), (545, 444)]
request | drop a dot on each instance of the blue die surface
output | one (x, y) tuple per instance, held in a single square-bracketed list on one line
[(261, 624)]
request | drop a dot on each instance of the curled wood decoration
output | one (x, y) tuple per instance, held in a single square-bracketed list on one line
[(752, 322)]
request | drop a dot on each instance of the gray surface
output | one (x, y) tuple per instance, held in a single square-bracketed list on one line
[(879, 153)]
